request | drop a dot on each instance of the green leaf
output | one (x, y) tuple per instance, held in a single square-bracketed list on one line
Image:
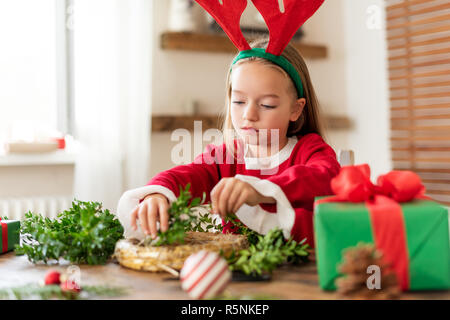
[(82, 234)]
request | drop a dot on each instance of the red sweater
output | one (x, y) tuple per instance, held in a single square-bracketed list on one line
[(301, 171)]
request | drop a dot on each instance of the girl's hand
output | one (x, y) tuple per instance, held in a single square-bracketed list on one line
[(231, 193), (153, 208)]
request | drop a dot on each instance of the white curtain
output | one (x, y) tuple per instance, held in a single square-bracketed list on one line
[(112, 59)]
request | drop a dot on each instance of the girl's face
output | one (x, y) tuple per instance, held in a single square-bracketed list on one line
[(263, 98)]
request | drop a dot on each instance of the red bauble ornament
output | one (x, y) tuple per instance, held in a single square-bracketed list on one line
[(52, 277), (204, 275)]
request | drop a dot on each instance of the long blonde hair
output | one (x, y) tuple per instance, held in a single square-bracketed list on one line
[(308, 122)]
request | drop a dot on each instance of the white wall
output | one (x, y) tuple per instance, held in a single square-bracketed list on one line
[(112, 96), (351, 81), (367, 84), (326, 27), (178, 77)]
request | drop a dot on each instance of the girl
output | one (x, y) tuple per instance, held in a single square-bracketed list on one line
[(264, 192)]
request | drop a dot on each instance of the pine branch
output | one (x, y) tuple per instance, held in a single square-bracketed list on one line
[(55, 292)]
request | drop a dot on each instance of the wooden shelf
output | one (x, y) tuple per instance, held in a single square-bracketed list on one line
[(165, 123), (221, 43)]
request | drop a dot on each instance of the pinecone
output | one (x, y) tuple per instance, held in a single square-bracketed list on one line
[(312, 254), (353, 284)]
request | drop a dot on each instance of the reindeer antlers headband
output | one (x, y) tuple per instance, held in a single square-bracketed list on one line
[(282, 27)]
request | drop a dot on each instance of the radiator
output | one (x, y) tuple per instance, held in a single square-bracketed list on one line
[(15, 207)]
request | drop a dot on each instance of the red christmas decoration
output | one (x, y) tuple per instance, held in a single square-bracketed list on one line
[(52, 277), (282, 25)]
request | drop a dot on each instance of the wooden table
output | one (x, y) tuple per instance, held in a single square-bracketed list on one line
[(288, 282)]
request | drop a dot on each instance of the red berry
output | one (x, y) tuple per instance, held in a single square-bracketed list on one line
[(52, 277)]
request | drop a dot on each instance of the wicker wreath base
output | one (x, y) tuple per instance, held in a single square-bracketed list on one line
[(131, 254)]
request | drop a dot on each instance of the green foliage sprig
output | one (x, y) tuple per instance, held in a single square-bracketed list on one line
[(55, 292), (267, 253), (240, 228), (264, 254), (206, 223), (82, 234), (181, 219)]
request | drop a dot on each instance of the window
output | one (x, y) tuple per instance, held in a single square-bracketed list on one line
[(418, 34), (35, 86)]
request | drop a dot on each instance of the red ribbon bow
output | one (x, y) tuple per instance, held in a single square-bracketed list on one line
[(353, 184)]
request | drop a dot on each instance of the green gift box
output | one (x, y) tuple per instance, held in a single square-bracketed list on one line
[(9, 235), (339, 225)]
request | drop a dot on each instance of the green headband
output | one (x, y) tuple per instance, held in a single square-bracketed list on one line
[(278, 60)]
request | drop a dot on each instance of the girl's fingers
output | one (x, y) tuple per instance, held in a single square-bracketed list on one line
[(235, 193), (240, 201), (215, 194), (223, 198), (134, 215), (164, 216), (143, 217), (152, 214)]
